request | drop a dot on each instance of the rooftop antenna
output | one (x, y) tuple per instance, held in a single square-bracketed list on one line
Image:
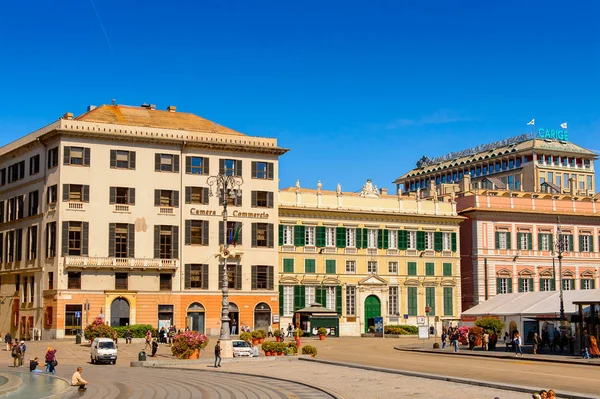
[(113, 101)]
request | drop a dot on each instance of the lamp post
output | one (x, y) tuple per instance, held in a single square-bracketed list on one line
[(559, 248), (225, 187)]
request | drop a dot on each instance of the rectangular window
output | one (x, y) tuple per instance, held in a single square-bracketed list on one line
[(525, 285), (393, 267), (166, 244), (430, 300), (76, 193), (32, 240), (18, 244), (546, 284), (351, 238), (372, 238), (166, 282), (230, 167), (25, 290), (330, 236), (330, 266), (411, 293), (372, 267), (196, 165), (197, 276), (309, 295), (393, 301), (502, 240), (288, 235), (262, 170), (262, 277), (50, 240), (393, 239), (545, 243), (447, 241), (121, 281), (448, 299), (412, 268), (34, 165), (330, 302), (234, 233), (262, 199), (166, 198), (75, 238), (288, 265), (309, 238), (503, 285), (429, 240), (589, 182), (568, 284), (288, 300), (309, 266), (234, 276), (585, 243), (122, 196), (121, 236), (524, 241), (16, 171), (430, 269), (447, 269), (74, 280), (587, 284), (50, 280), (350, 300), (412, 240), (350, 266), (166, 163), (52, 194), (120, 159), (34, 203), (262, 235), (196, 232), (52, 157), (77, 156)]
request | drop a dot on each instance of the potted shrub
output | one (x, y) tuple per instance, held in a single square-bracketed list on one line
[(277, 334), (298, 333), (371, 330), (293, 348), (187, 345), (309, 350), (97, 330), (267, 347), (246, 336), (255, 337), (322, 333), (262, 334)]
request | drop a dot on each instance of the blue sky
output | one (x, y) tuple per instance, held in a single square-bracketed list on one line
[(356, 90)]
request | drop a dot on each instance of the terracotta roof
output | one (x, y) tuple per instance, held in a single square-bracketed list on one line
[(145, 117)]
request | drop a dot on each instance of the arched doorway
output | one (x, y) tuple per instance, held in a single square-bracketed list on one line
[(372, 310), (196, 317), (234, 314), (262, 316), (119, 313)]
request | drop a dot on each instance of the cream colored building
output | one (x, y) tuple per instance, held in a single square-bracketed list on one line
[(110, 213), (368, 254)]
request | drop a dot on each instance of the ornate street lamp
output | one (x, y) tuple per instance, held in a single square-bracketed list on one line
[(559, 248), (225, 187)]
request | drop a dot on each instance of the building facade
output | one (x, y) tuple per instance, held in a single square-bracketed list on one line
[(111, 214), (366, 255), (524, 163), (510, 243)]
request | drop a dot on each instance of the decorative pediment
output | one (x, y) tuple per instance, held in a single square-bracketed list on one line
[(331, 281), (568, 273), (373, 280), (412, 281), (448, 283), (587, 274), (504, 272), (526, 273), (546, 273), (288, 280)]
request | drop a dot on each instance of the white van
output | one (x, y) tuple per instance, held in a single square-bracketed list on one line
[(103, 350)]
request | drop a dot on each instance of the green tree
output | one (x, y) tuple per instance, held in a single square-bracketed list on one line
[(491, 324)]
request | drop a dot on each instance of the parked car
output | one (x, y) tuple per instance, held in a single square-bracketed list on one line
[(103, 350), (241, 348)]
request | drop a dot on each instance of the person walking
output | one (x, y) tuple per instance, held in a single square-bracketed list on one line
[(471, 339), (444, 338), (537, 341), (127, 337), (290, 329), (270, 331), (148, 340), (485, 340), (507, 342), (218, 354), (455, 341), (587, 342), (16, 354), (594, 351), (233, 327), (51, 362), (8, 340), (77, 381), (154, 347), (518, 342), (23, 350)]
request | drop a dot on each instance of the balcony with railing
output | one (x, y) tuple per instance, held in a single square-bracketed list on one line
[(75, 206), (121, 208), (165, 210), (84, 262)]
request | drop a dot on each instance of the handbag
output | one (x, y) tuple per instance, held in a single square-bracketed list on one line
[(55, 363)]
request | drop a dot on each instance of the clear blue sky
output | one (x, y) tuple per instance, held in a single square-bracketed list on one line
[(356, 90)]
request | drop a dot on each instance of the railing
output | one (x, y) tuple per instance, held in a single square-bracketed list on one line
[(288, 248), (446, 253), (350, 250), (330, 250), (166, 211), (371, 251), (121, 208), (310, 249), (131, 263), (411, 252), (392, 251), (75, 206)]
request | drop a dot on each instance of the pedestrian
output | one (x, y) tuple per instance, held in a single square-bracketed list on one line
[(148, 340), (23, 350), (493, 341), (485, 340), (290, 329), (233, 327), (77, 381), (282, 335), (551, 394), (16, 354), (51, 362), (154, 347), (33, 365), (127, 337), (518, 342), (270, 331), (536, 343), (594, 351), (218, 354), (544, 394), (507, 342), (8, 340), (115, 337), (455, 341), (587, 342), (444, 338)]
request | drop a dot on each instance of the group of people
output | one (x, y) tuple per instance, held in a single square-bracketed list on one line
[(17, 350), (488, 341), (543, 394), (452, 335), (166, 336)]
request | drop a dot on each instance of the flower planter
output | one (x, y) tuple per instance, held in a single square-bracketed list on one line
[(278, 339), (322, 337), (267, 353), (254, 341), (195, 355), (261, 340), (279, 353)]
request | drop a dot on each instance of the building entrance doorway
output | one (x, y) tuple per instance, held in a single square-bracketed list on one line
[(119, 313), (372, 310), (234, 314), (262, 316), (196, 317)]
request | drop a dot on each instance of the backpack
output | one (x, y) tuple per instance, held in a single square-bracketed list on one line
[(16, 350)]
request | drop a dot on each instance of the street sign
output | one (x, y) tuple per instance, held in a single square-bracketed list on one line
[(275, 318), (378, 324), (77, 315), (420, 319), (423, 332), (405, 316)]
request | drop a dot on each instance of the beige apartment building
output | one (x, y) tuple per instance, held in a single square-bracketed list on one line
[(110, 214), (366, 255)]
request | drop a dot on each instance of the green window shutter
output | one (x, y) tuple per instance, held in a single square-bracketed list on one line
[(288, 265), (281, 300), (111, 239), (521, 285), (412, 268), (365, 238), (358, 238), (309, 265), (519, 240), (540, 241), (508, 240), (593, 286), (591, 243), (338, 300), (402, 239), (497, 240), (340, 237), (330, 266), (453, 242), (380, 238), (320, 295), (498, 285), (299, 232), (298, 297), (580, 243), (412, 301), (280, 235), (531, 287), (430, 269), (509, 286), (447, 269), (320, 232), (430, 299), (437, 241), (420, 240), (553, 284), (571, 242), (529, 239), (386, 239), (551, 241), (131, 240), (448, 306)]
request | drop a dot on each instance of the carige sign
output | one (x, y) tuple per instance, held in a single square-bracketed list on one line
[(553, 134)]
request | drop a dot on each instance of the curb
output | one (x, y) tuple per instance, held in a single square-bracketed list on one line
[(533, 358), (159, 363), (486, 384), (325, 391)]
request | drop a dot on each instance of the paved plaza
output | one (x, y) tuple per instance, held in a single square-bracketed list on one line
[(283, 377)]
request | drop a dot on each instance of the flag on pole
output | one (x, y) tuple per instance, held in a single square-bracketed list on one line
[(532, 122), (234, 236), (563, 125)]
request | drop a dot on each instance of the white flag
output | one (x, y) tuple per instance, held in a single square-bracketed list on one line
[(563, 125), (532, 122)]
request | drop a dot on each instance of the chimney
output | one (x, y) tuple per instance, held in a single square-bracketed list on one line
[(68, 115), (171, 108), (466, 183), (91, 108), (384, 191)]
